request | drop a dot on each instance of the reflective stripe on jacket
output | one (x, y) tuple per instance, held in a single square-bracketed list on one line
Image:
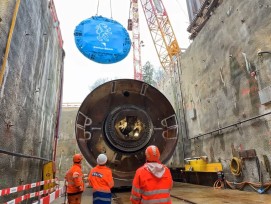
[(100, 178), (100, 197), (149, 189), (74, 178)]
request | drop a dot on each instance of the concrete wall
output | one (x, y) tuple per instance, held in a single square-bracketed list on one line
[(67, 144), (217, 85), (31, 90)]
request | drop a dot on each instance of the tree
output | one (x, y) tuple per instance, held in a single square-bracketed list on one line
[(97, 83), (159, 75), (152, 76), (147, 73)]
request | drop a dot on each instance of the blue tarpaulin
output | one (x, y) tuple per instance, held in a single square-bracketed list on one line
[(102, 40)]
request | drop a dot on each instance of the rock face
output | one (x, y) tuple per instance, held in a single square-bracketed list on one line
[(30, 92), (67, 144), (223, 90)]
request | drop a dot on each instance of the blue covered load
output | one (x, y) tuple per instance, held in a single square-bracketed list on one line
[(102, 40)]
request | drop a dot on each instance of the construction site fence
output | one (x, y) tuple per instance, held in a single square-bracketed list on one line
[(44, 196)]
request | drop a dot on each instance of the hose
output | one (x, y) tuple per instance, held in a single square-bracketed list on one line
[(235, 166), (219, 183), (258, 187), (13, 22)]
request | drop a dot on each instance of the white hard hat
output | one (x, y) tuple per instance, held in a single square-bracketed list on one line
[(102, 159)]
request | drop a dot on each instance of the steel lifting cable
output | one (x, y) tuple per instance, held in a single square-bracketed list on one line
[(111, 9), (97, 8), (130, 9), (181, 8), (98, 4)]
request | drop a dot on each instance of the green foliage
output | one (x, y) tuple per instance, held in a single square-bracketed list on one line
[(159, 75), (147, 73), (152, 76), (97, 83)]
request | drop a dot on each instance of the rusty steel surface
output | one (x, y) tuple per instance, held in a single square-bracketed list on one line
[(121, 118)]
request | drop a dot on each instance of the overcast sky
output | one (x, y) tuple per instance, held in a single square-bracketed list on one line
[(80, 72)]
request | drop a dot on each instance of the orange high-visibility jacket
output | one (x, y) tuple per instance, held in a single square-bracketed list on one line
[(100, 178), (152, 184), (74, 178)]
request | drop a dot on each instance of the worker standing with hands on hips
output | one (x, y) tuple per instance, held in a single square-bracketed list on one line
[(74, 179), (101, 180), (153, 181)]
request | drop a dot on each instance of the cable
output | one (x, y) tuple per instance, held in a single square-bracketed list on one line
[(218, 184), (111, 10), (258, 187), (130, 9), (98, 4), (235, 166), (97, 7), (231, 125), (182, 8), (22, 155)]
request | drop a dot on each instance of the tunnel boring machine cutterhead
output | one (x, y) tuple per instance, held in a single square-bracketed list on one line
[(121, 118)]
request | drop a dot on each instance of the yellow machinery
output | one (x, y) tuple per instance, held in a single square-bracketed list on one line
[(200, 164), (48, 174)]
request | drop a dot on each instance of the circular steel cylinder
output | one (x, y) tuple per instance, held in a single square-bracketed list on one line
[(121, 118)]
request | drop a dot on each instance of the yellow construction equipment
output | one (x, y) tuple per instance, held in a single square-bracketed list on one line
[(198, 164)]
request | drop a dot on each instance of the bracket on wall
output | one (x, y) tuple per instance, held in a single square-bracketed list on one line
[(267, 165), (260, 53)]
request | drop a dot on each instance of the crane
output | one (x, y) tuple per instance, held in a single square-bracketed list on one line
[(161, 31), (133, 25)]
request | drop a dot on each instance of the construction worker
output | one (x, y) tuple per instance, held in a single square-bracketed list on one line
[(74, 181), (101, 180), (153, 181)]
